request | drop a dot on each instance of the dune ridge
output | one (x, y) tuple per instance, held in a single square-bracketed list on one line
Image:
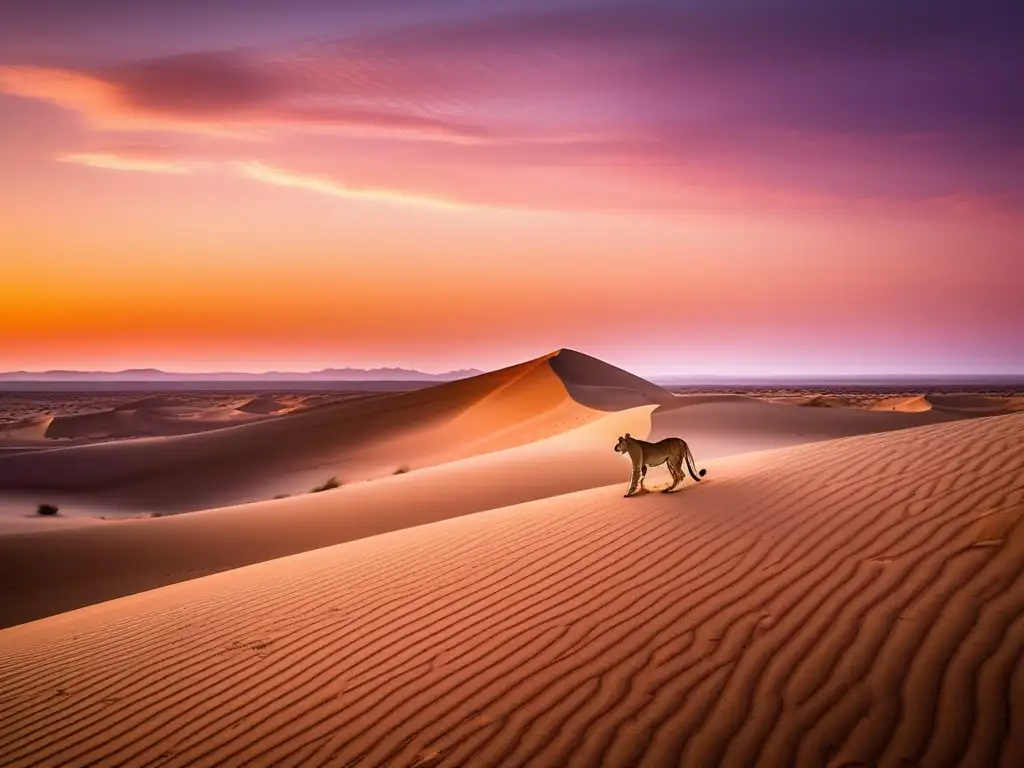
[(507, 438), (223, 463), (856, 601), (353, 439)]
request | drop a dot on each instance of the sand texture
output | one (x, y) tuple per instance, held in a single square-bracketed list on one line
[(508, 437), (844, 588), (857, 601)]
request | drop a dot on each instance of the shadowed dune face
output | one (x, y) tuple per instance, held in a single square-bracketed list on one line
[(850, 602), (83, 417), (976, 404), (596, 384)]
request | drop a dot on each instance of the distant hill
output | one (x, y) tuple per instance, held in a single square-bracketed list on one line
[(144, 375)]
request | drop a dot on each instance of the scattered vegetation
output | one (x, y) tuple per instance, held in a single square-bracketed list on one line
[(286, 495), (329, 485), (401, 470), (47, 509)]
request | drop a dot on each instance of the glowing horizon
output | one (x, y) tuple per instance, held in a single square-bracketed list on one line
[(710, 188)]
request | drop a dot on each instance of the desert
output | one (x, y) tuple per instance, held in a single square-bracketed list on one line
[(841, 588), (512, 384)]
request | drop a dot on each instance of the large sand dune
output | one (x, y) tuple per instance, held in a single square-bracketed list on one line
[(466, 467), (851, 602), (353, 440), (513, 436), (370, 437)]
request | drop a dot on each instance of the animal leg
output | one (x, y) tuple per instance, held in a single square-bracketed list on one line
[(633, 480), (675, 472), (643, 476)]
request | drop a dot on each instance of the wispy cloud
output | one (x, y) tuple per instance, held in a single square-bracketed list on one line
[(229, 96), (847, 101), (326, 185), (119, 162)]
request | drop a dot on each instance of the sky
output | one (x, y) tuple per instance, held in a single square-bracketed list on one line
[(680, 187)]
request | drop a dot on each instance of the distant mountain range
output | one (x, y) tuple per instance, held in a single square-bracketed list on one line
[(142, 375)]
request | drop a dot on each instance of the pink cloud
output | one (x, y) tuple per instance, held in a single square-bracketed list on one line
[(198, 100)]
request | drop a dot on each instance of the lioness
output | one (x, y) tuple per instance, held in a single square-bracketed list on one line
[(671, 451)]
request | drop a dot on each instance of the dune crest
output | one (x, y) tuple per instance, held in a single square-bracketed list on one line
[(913, 404), (353, 439), (824, 604)]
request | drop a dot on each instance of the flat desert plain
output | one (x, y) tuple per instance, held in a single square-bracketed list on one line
[(844, 587)]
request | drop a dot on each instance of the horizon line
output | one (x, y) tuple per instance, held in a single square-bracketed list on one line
[(667, 377)]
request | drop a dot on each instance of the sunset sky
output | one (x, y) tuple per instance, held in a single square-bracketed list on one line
[(711, 187)]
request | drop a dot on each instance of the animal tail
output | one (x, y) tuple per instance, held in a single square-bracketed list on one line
[(691, 465)]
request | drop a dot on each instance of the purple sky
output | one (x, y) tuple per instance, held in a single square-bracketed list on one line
[(854, 167)]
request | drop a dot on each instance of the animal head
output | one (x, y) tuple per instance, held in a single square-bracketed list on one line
[(622, 446)]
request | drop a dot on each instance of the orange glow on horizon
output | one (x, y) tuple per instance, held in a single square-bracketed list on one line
[(461, 191)]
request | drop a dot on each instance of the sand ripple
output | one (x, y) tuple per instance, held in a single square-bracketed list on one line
[(852, 602)]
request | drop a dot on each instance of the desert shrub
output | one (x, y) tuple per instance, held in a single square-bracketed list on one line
[(401, 470), (286, 495), (329, 485), (47, 509)]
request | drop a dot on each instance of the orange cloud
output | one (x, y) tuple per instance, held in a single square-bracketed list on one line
[(100, 103), (326, 185)]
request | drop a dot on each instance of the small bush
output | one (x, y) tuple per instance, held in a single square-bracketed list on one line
[(286, 495), (401, 470), (329, 485), (47, 509)]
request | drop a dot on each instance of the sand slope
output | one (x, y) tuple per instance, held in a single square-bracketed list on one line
[(976, 404), (44, 572), (370, 437), (851, 602), (725, 426), (912, 404), (596, 384), (286, 454)]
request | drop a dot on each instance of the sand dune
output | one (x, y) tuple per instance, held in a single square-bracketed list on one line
[(29, 429), (502, 439), (266, 404), (44, 572), (145, 422), (723, 427), (595, 384), (353, 440), (976, 404), (370, 437), (857, 601), (959, 405), (154, 416), (912, 404), (48, 571)]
